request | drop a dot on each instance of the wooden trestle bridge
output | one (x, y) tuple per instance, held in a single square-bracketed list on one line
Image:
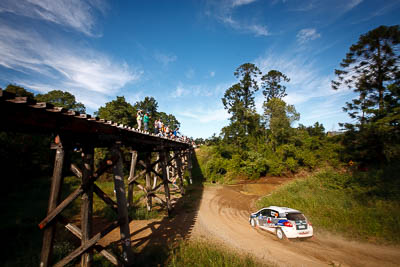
[(72, 130)]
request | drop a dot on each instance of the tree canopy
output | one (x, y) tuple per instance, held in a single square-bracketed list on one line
[(148, 105), (238, 100), (18, 90), (371, 65), (61, 99), (271, 85), (118, 110), (371, 69)]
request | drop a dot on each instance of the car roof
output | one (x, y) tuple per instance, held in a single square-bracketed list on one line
[(280, 209)]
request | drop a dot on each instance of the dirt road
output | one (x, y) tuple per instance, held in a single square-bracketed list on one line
[(223, 216), (220, 214)]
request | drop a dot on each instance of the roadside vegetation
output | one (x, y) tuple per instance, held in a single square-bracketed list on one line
[(354, 184), (363, 206), (201, 253)]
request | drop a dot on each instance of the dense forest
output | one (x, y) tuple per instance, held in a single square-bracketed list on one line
[(255, 145)]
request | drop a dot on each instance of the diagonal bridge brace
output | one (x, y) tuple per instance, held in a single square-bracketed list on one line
[(82, 188)]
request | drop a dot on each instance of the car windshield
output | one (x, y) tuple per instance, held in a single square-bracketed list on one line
[(295, 216)]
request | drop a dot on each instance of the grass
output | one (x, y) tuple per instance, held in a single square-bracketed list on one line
[(201, 253), (344, 203)]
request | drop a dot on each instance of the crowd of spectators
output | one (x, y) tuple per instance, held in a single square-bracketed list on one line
[(160, 129)]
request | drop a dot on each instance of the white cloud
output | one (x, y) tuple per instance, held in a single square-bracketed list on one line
[(256, 29), (350, 4), (206, 115), (165, 59), (309, 90), (236, 3), (384, 8), (200, 90), (306, 35), (306, 81), (76, 14), (223, 11), (179, 91), (78, 70)]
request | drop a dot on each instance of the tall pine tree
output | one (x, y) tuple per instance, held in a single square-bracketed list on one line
[(238, 100), (371, 69)]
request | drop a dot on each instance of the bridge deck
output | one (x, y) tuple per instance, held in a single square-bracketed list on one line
[(23, 114)]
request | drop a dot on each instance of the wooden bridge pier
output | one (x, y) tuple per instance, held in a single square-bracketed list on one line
[(81, 131), (86, 190)]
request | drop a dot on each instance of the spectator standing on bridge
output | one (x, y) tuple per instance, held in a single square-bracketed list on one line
[(156, 127), (146, 119), (162, 129), (176, 132), (139, 116), (167, 131)]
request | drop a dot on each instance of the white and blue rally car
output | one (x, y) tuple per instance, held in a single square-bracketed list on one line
[(284, 222)]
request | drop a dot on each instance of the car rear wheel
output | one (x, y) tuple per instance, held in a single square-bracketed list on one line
[(280, 234), (252, 222)]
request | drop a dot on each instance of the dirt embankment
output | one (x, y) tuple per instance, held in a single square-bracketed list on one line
[(223, 216)]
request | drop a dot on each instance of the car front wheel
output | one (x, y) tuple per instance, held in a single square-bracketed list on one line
[(280, 234)]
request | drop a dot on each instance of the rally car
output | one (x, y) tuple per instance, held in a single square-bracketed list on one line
[(282, 221)]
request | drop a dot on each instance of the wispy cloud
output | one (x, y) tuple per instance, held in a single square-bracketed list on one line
[(257, 30), (164, 58), (81, 70), (76, 14), (179, 91), (212, 74), (306, 35), (386, 7), (236, 3), (223, 11), (308, 88), (351, 4), (206, 115), (199, 90)]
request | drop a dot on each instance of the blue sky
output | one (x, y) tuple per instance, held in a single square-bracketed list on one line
[(184, 53)]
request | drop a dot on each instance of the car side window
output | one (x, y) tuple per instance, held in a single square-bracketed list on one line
[(274, 213), (265, 212)]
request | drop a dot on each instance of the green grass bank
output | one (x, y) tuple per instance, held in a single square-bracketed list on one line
[(363, 206), (200, 253)]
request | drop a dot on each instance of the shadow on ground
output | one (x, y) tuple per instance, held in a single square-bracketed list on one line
[(152, 240)]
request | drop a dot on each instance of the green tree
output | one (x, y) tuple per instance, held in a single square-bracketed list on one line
[(18, 90), (118, 110), (61, 99), (279, 116), (149, 105), (169, 120), (316, 130), (371, 69), (271, 85), (238, 100)]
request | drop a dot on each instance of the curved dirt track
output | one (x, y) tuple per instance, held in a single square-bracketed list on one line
[(223, 217)]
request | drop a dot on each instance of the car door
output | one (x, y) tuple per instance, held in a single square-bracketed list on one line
[(262, 218), (274, 218)]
